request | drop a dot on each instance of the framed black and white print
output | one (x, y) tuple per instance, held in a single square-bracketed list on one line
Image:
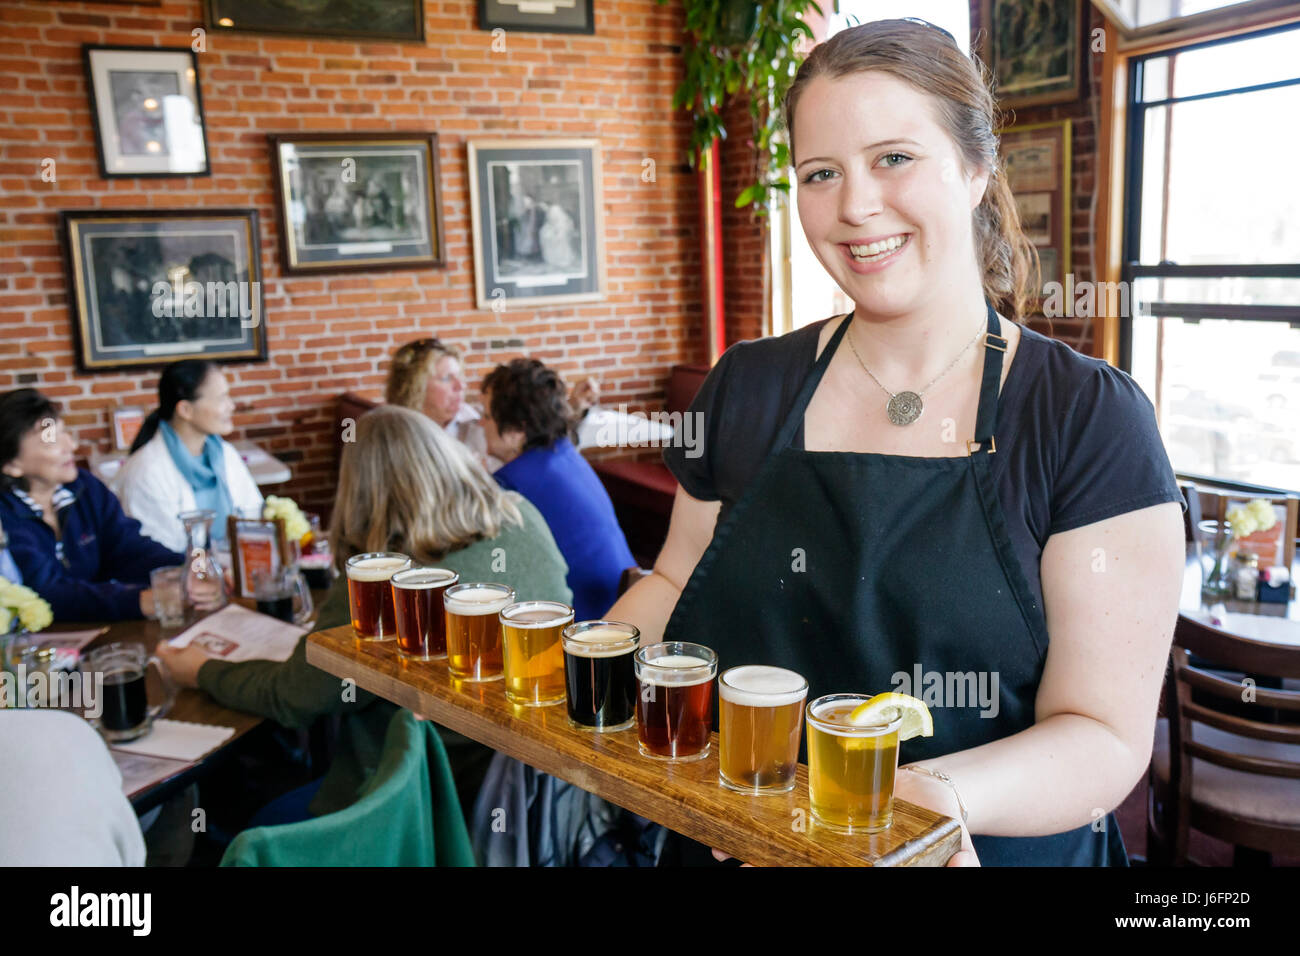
[(538, 221), (538, 16), (147, 110), (352, 201), (151, 287)]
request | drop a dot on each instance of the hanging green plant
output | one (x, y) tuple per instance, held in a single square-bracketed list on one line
[(735, 46)]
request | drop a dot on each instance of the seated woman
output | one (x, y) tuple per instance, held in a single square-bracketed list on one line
[(426, 375), (179, 461), (67, 532), (403, 486), (526, 427)]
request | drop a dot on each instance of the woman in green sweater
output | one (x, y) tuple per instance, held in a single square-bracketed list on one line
[(405, 486)]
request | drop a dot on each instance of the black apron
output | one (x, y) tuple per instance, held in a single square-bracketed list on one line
[(853, 568)]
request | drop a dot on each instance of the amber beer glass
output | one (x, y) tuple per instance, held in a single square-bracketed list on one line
[(760, 721), (417, 607), (674, 701), (534, 659), (474, 629), (600, 684), (850, 767), (369, 596)]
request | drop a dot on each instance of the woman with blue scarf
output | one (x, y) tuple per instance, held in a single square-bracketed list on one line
[(179, 461)]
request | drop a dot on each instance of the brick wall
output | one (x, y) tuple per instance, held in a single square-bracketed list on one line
[(330, 334)]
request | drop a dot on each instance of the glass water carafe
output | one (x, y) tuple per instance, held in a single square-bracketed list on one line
[(205, 585)]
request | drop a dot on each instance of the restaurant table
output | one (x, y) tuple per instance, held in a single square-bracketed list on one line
[(265, 468), (191, 705), (1256, 620), (773, 830)]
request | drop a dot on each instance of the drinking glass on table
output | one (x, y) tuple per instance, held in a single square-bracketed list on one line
[(600, 683), (533, 656), (474, 629), (168, 587), (421, 619)]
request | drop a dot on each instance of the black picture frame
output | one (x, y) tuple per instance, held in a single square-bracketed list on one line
[(364, 218), (401, 20), (147, 139), (149, 287), (580, 17), (538, 221)]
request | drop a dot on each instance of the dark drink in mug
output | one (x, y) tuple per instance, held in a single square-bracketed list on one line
[(418, 612), (280, 606), (600, 683), (674, 704), (370, 598), (124, 699), (474, 629)]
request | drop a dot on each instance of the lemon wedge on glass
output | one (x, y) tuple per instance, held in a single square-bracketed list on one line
[(888, 707)]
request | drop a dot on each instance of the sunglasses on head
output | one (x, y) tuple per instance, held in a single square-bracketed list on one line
[(927, 23)]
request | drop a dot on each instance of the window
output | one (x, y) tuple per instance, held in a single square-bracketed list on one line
[(1212, 254), (813, 294)]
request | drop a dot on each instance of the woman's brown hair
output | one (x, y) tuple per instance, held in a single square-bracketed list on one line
[(928, 59), (406, 485), (409, 372)]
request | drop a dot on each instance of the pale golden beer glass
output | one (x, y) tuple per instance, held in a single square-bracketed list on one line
[(534, 656), (474, 629), (850, 768), (370, 598), (760, 721)]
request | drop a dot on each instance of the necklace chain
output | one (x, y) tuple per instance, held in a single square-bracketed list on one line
[(950, 367)]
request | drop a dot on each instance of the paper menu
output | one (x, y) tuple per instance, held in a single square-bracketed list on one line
[(237, 634)]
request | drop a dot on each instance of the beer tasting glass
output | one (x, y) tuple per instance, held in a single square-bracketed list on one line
[(533, 657), (850, 768), (417, 609), (759, 723), (370, 598), (474, 629), (599, 681), (674, 702)]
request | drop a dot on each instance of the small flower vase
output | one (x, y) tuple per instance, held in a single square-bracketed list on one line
[(1218, 582)]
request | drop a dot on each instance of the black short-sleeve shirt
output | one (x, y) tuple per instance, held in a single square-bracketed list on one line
[(1077, 439)]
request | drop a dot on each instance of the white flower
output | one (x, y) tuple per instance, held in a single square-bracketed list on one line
[(35, 614), (1245, 520)]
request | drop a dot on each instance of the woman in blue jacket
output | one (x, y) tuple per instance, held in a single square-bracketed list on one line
[(67, 532), (526, 423)]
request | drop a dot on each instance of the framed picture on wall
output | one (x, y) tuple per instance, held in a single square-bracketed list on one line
[(148, 287), (1036, 158), (358, 201), (147, 110), (1034, 50), (538, 221), (538, 16), (357, 19)]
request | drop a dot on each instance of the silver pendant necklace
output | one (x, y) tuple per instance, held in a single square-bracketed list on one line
[(904, 408)]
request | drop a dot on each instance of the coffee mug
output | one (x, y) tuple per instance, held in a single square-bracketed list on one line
[(126, 713), (283, 593)]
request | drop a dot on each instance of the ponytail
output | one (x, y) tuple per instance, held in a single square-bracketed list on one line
[(178, 383)]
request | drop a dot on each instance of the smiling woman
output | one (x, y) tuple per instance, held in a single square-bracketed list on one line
[(931, 498)]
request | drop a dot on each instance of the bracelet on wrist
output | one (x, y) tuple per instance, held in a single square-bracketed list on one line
[(944, 778)]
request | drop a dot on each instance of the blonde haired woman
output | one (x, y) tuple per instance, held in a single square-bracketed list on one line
[(403, 486)]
